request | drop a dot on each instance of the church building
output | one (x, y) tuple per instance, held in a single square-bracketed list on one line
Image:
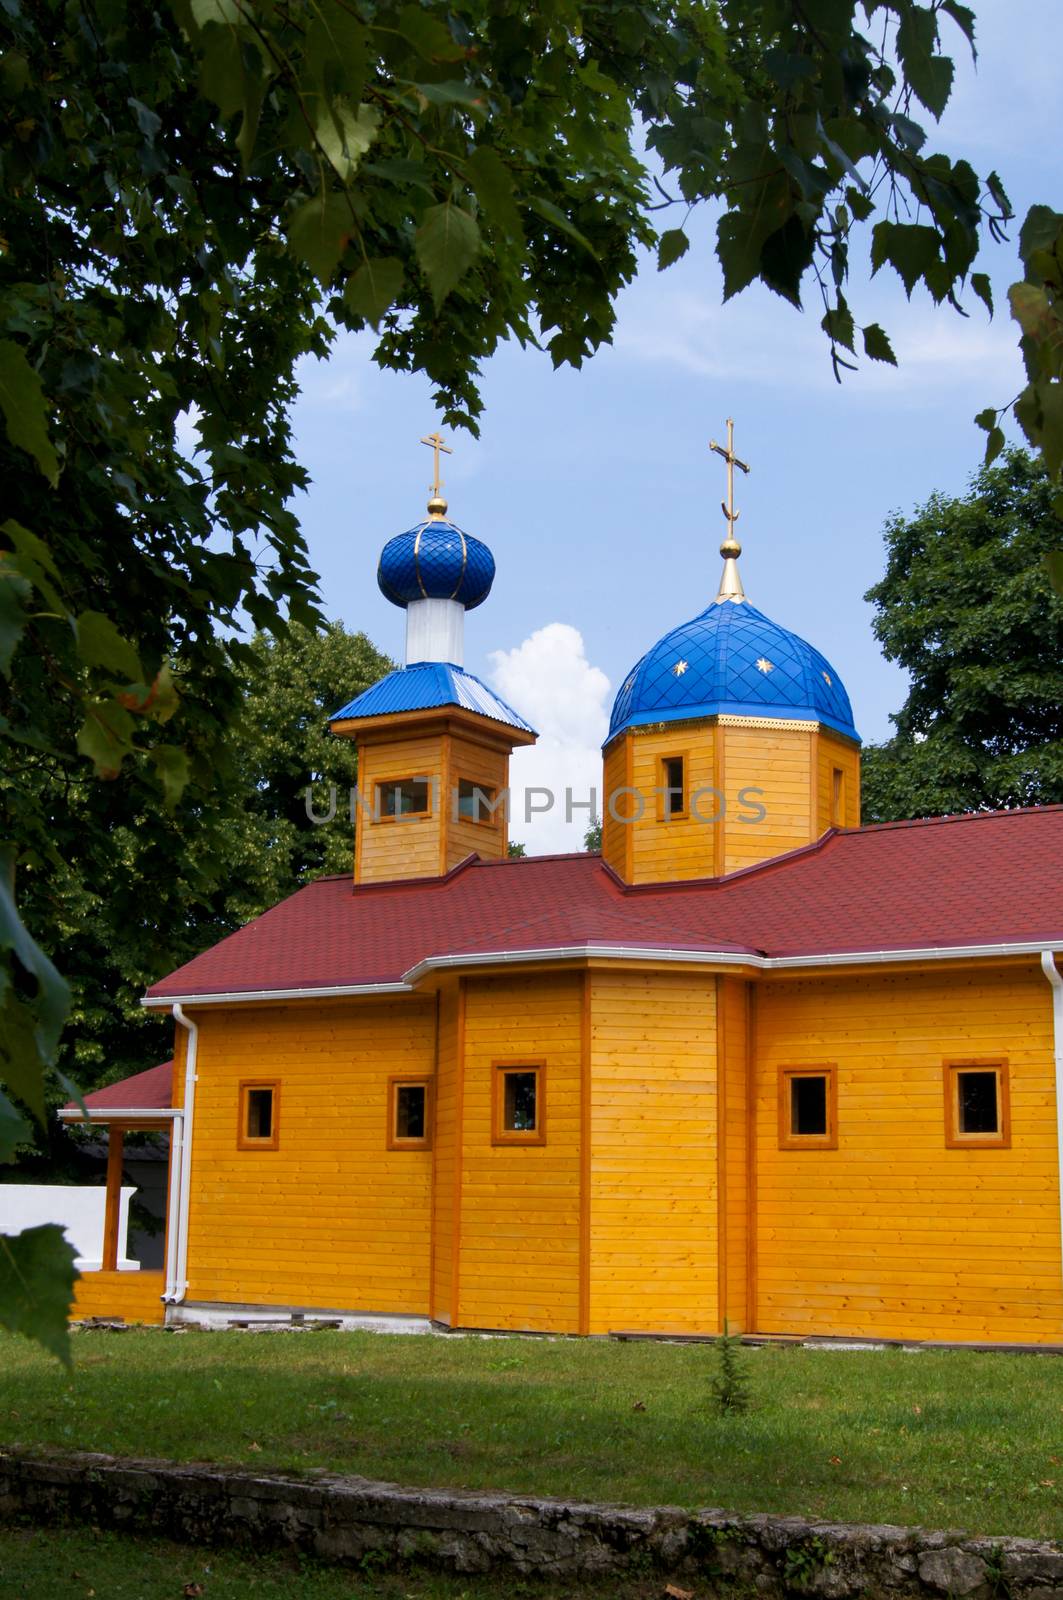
[(753, 1063)]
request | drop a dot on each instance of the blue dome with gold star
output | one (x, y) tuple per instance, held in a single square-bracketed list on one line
[(732, 660), (436, 560)]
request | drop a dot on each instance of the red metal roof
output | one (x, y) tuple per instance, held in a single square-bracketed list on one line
[(984, 879), (145, 1091)]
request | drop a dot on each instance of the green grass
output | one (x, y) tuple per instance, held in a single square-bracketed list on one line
[(948, 1439), (65, 1564)]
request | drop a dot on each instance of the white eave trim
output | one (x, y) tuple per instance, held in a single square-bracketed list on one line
[(116, 1113), (603, 952)]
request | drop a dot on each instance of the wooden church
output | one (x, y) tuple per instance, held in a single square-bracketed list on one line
[(753, 1063)]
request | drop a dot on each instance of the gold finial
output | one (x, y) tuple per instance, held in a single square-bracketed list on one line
[(730, 582), (437, 506)]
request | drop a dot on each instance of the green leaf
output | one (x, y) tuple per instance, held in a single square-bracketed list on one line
[(37, 1278), (876, 344), (446, 243), (929, 74), (105, 736), (551, 213), (911, 248), (430, 38), (455, 92), (15, 591), (374, 288), (21, 1068), (226, 12), (53, 996), (983, 289), (34, 561), (964, 19), (172, 767), (1054, 566), (345, 134), (99, 644), (14, 1130), (670, 246), (492, 182), (838, 325), (25, 409), (319, 232)]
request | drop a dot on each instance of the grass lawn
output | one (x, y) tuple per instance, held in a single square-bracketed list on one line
[(945, 1439), (65, 1564)]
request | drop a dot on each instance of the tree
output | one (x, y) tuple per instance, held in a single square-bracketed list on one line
[(592, 838), (967, 608), (195, 194), (153, 888)]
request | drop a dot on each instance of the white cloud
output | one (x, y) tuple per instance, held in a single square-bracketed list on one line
[(552, 684)]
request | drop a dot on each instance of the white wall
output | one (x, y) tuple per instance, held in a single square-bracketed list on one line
[(79, 1208)]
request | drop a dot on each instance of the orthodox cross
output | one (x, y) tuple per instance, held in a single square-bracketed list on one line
[(732, 460), (435, 440)]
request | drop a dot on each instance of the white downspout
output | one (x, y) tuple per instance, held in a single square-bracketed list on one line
[(180, 1282), (1052, 973), (173, 1202)]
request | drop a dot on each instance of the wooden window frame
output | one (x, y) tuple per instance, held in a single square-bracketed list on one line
[(504, 1136), (788, 1140), (409, 1080), (492, 819), (837, 797), (954, 1139), (394, 783), (243, 1139), (664, 787)]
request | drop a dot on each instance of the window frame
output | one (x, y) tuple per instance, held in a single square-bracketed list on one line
[(509, 1136), (409, 1080), (664, 788), (244, 1140), (788, 1139), (394, 783), (837, 797), (954, 1139), (493, 817)]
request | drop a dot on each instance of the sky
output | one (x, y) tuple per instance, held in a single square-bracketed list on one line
[(596, 491)]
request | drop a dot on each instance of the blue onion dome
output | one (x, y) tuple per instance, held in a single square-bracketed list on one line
[(436, 560), (732, 660)]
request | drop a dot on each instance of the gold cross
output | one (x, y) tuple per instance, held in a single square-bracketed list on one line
[(732, 460), (435, 440)]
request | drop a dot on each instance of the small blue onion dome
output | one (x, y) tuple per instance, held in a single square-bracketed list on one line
[(436, 561), (732, 660)]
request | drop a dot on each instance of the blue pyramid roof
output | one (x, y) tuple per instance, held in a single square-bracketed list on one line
[(425, 687), (732, 660)]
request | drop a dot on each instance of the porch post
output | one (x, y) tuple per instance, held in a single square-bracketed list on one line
[(115, 1143)]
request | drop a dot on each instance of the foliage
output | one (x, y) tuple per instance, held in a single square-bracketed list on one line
[(516, 850), (592, 839), (966, 607), (146, 889), (188, 189), (37, 1277), (948, 1438), (730, 1386)]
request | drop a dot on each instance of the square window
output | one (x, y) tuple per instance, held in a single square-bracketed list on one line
[(519, 1104), (475, 801), (403, 797), (673, 785), (977, 1109), (808, 1108), (259, 1105), (409, 1114)]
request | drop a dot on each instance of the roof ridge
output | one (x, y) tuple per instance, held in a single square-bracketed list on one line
[(987, 815)]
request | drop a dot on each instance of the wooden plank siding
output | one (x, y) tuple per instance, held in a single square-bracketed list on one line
[(653, 1175), (734, 1060), (411, 846), (445, 1143), (892, 1234), (520, 1208), (331, 1218), (776, 761), (481, 765), (673, 848), (129, 1296), (835, 751)]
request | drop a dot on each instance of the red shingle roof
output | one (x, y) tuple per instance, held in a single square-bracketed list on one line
[(984, 879), (144, 1091)]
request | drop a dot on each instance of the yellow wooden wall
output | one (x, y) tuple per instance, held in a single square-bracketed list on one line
[(733, 1130), (614, 831), (447, 1120), (891, 1234), (331, 1218), (834, 751), (412, 847), (778, 761), (519, 1256), (677, 848), (653, 1175), (489, 767), (130, 1296)]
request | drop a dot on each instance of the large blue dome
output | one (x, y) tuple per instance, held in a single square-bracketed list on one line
[(436, 561), (732, 660)]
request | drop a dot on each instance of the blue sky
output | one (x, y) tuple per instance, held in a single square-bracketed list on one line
[(596, 490)]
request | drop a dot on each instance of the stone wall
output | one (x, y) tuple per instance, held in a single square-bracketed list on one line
[(343, 1519)]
